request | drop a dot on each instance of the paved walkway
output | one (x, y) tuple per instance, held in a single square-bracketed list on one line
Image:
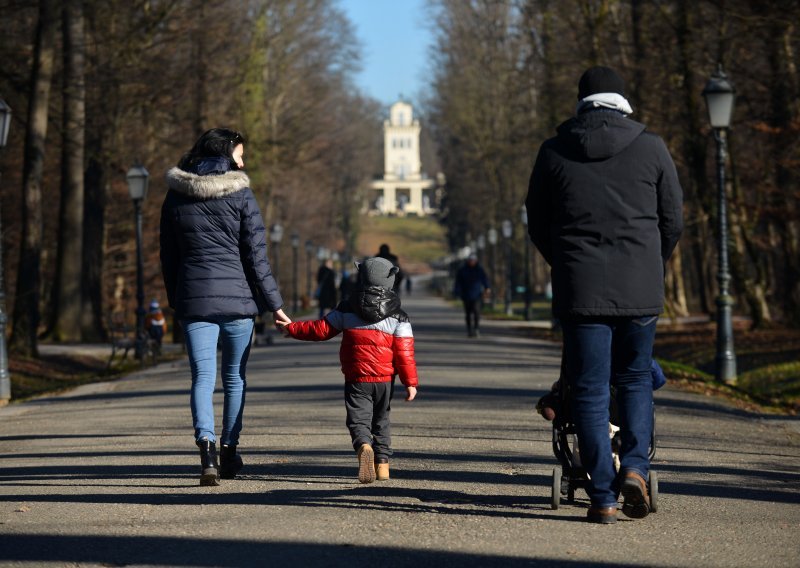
[(107, 475)]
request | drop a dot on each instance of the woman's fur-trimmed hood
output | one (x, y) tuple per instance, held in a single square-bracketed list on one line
[(206, 187)]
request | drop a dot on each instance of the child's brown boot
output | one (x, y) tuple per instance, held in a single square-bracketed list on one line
[(382, 470), (366, 461)]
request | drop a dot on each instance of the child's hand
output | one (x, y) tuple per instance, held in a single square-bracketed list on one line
[(411, 393)]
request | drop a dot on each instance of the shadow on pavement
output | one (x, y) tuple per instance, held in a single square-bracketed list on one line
[(174, 551)]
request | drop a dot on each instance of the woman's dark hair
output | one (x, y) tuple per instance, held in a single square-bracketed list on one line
[(214, 143)]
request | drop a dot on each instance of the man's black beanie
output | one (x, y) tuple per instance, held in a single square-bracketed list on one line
[(600, 80)]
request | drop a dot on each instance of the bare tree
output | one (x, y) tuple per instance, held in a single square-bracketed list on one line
[(26, 302), (67, 296)]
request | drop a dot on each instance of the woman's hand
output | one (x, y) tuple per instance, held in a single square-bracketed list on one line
[(281, 319)]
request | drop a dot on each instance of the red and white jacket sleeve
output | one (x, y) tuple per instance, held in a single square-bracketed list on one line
[(315, 330), (403, 360)]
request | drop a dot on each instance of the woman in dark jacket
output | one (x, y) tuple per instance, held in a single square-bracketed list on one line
[(218, 279)]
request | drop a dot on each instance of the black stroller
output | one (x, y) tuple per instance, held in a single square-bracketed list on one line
[(570, 474)]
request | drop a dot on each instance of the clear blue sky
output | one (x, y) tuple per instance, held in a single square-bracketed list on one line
[(395, 39)]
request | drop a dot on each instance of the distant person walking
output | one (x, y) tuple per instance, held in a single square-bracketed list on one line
[(384, 252), (605, 210), (155, 323), (470, 285), (326, 288), (218, 279)]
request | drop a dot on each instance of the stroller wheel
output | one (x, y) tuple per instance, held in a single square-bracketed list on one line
[(652, 489), (555, 494)]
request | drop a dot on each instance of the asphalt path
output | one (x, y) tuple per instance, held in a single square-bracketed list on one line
[(106, 475)]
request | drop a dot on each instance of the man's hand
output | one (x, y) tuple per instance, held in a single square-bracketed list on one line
[(411, 393)]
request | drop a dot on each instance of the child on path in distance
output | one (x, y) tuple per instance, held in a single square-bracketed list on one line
[(377, 345)]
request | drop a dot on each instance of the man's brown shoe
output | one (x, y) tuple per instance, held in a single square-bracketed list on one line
[(602, 515), (381, 471), (636, 504), (366, 464)]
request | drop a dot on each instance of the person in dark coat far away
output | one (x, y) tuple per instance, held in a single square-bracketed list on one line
[(605, 210), (218, 279), (470, 285), (384, 252), (326, 287)]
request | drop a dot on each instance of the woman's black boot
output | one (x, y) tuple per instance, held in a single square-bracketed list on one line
[(230, 462), (209, 467)]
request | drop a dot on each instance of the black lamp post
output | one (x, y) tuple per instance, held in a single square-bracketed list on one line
[(5, 379), (309, 252), (275, 237), (491, 236), (295, 238), (138, 180), (524, 217), (508, 230), (719, 95)]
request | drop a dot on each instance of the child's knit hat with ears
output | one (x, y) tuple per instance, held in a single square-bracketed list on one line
[(376, 271)]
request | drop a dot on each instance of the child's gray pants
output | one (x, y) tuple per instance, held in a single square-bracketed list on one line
[(368, 406)]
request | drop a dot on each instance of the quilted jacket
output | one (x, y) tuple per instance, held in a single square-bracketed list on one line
[(214, 247), (377, 341)]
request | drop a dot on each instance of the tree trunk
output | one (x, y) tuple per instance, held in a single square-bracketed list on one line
[(26, 302), (94, 239), (675, 297), (694, 149), (637, 19), (199, 58), (67, 312)]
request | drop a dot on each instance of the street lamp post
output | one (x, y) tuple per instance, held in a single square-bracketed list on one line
[(309, 252), (508, 230), (275, 237), (524, 217), (138, 179), (295, 244), (719, 95), (491, 236), (480, 243), (5, 379)]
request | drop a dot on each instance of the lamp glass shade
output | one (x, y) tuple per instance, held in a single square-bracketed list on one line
[(5, 122), (507, 229), (523, 214), (491, 235), (295, 240), (481, 242), (309, 247), (138, 179), (719, 95), (276, 233)]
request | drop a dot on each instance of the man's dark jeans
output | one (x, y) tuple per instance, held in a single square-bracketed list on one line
[(472, 312), (599, 350), (368, 409)]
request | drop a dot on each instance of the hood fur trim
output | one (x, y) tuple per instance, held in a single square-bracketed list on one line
[(207, 187)]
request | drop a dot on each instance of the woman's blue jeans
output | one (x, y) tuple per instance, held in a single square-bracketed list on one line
[(599, 351), (234, 336)]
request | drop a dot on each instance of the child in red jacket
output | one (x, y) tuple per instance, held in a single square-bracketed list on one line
[(377, 345)]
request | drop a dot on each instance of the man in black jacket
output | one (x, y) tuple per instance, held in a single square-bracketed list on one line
[(605, 210)]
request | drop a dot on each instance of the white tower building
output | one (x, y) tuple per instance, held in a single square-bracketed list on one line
[(402, 189)]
